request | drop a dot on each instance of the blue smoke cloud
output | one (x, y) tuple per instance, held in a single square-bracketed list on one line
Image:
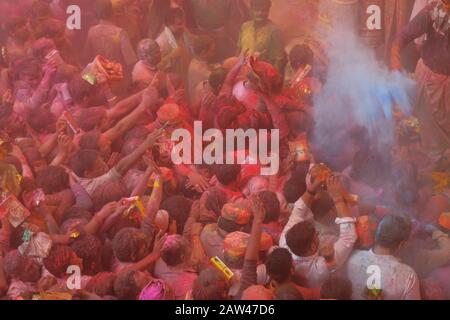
[(359, 91)]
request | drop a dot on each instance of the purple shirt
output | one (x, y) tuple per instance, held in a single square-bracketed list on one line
[(436, 49)]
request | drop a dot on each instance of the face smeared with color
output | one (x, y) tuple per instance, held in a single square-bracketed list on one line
[(149, 52), (260, 12), (446, 4)]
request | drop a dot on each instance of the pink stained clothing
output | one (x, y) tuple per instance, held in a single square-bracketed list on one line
[(17, 288), (179, 278)]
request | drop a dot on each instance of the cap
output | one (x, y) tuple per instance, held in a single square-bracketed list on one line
[(235, 243), (156, 290), (235, 213), (169, 112), (444, 220)]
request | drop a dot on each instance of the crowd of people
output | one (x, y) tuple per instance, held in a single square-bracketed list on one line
[(92, 206)]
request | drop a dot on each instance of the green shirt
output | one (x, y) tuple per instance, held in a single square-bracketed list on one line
[(266, 40)]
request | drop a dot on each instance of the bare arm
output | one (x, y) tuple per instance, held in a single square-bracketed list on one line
[(124, 106), (50, 221), (149, 260), (125, 164), (149, 98), (227, 88)]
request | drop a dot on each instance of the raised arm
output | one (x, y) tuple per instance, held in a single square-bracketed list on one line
[(124, 106), (125, 164), (227, 88), (149, 260), (415, 28), (249, 274), (347, 234)]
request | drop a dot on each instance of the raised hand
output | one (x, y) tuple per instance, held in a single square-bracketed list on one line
[(259, 211)]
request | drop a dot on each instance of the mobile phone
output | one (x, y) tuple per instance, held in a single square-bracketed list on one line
[(71, 122)]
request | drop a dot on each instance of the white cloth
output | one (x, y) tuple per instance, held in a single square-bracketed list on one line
[(90, 185), (314, 268), (398, 281)]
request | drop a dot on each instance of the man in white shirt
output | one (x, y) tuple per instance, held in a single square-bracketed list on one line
[(302, 239), (378, 274)]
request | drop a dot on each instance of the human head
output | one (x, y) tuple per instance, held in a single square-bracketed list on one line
[(211, 284), (446, 4), (27, 70), (302, 239), (21, 267), (103, 9), (178, 208), (89, 141), (271, 205), (42, 47), (217, 78), (392, 232), (227, 174), (17, 27), (102, 284), (257, 292), (235, 245), (174, 250), (53, 179), (260, 10), (204, 47), (233, 218), (176, 20), (88, 164), (40, 10), (89, 248), (366, 228), (301, 55), (131, 244), (149, 51), (336, 288), (323, 206), (129, 284), (108, 192), (294, 189), (42, 120), (92, 118), (279, 265), (60, 258), (80, 90)]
